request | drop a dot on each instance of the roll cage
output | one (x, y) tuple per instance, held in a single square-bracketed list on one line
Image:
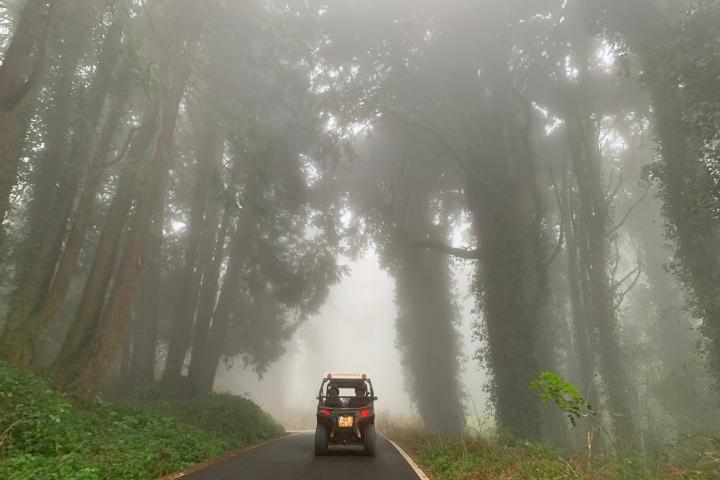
[(346, 381)]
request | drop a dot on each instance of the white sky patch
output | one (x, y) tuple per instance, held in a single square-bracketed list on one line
[(310, 171), (570, 70), (605, 57), (611, 142), (347, 131), (177, 226)]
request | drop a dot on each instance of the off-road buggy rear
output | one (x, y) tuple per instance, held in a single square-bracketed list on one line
[(342, 418)]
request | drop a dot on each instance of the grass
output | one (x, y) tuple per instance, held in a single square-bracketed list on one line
[(46, 434), (474, 458)]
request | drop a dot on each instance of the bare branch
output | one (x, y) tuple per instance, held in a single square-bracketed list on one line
[(621, 297), (125, 148), (609, 197), (629, 211), (628, 275), (558, 245), (617, 261), (448, 146)]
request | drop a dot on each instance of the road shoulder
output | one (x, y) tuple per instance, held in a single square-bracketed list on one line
[(411, 457)]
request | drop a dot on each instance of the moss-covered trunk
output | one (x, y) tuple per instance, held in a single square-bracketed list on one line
[(505, 281), (426, 334)]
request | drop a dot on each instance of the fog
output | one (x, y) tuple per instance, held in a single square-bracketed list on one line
[(506, 212), (355, 332)]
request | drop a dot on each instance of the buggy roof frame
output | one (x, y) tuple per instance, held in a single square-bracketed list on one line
[(346, 381)]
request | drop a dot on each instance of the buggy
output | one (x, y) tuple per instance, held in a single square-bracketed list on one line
[(345, 419)]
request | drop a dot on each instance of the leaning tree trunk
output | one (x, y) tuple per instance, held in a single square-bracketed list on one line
[(93, 296), (81, 220), (51, 212), (105, 336), (102, 346), (22, 67), (40, 247), (102, 340)]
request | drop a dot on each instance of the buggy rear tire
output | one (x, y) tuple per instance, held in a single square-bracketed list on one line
[(321, 440), (369, 440)]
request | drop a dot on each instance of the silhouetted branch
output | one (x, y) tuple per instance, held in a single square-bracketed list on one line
[(617, 262), (558, 245), (629, 211), (467, 254), (609, 197), (448, 146), (125, 148), (637, 271)]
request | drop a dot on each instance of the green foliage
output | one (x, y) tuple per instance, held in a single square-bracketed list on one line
[(50, 435), (551, 387)]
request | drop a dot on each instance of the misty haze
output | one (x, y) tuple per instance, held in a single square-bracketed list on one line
[(359, 239)]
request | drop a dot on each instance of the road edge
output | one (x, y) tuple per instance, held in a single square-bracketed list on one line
[(223, 457), (418, 471)]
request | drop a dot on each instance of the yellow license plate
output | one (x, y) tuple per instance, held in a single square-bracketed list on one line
[(345, 421)]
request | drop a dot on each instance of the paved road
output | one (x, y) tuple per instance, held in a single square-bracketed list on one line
[(293, 458)]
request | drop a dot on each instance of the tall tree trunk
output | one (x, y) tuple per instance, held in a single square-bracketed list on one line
[(692, 225), (505, 221), (504, 229), (595, 233), (206, 305), (209, 135), (22, 67), (229, 304), (690, 221), (583, 347), (144, 344), (425, 326)]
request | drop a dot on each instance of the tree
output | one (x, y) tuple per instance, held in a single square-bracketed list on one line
[(22, 67)]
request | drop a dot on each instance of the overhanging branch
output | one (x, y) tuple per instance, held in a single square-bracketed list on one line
[(466, 254)]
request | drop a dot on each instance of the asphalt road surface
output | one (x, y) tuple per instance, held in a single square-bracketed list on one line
[(293, 458)]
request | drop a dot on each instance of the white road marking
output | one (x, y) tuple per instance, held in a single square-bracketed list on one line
[(421, 475)]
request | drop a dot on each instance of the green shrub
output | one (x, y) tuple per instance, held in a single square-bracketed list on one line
[(46, 434)]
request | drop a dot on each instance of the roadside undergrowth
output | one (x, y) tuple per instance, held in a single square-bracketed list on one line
[(47, 434), (447, 457)]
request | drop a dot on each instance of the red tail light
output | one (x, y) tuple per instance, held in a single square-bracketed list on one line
[(365, 412), (324, 411)]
